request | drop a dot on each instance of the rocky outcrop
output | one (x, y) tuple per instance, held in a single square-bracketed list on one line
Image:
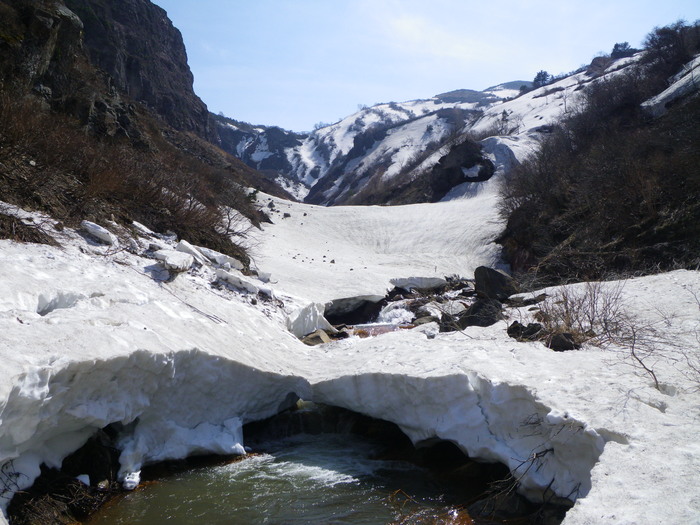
[(36, 42), (138, 46)]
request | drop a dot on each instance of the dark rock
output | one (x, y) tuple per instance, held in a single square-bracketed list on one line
[(484, 312), (137, 45), (494, 284), (562, 342), (521, 332), (519, 302)]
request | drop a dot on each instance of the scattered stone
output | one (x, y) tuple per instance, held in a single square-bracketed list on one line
[(286, 215), (494, 284), (316, 338), (527, 333), (425, 320), (562, 342), (484, 312)]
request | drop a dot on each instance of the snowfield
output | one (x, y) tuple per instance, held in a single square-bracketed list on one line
[(92, 334)]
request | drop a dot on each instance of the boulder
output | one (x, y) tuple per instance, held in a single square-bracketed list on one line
[(425, 320), (494, 284), (527, 333), (484, 312), (562, 342), (519, 301)]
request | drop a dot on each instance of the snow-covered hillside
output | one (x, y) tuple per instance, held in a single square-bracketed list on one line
[(344, 156), (95, 334), (381, 154)]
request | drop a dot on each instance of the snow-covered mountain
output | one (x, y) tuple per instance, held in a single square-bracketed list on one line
[(415, 151), (377, 146)]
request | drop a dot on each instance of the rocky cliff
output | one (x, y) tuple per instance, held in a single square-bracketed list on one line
[(138, 46)]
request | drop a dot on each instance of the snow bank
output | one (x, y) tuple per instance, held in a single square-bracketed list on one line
[(320, 254), (87, 343), (90, 339), (491, 421)]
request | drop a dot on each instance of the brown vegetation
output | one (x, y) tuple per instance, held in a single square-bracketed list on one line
[(76, 147), (48, 162), (611, 190)]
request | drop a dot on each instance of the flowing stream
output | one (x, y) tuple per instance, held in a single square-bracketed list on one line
[(326, 478)]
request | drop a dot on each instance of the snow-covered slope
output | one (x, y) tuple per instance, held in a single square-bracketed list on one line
[(395, 153), (344, 156), (683, 84), (92, 335)]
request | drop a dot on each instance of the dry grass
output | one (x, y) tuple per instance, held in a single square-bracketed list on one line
[(49, 162)]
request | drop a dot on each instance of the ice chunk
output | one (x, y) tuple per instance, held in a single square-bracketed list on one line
[(175, 261), (100, 233), (131, 480), (395, 314), (185, 247), (84, 479), (220, 258), (238, 281), (308, 319)]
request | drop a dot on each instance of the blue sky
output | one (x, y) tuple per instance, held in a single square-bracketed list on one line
[(293, 63)]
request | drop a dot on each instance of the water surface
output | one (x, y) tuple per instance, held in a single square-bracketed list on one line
[(304, 479)]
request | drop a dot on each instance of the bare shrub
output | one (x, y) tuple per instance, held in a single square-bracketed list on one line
[(51, 162), (589, 312)]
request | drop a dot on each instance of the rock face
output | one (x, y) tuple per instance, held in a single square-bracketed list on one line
[(30, 38), (138, 46)]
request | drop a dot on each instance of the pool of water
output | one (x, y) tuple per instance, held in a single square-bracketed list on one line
[(304, 479)]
